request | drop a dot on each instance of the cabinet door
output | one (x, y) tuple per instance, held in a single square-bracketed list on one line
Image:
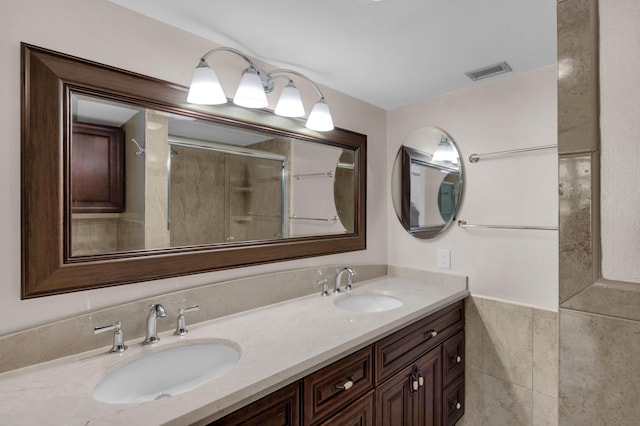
[(412, 397), (281, 408), (360, 413), (97, 177)]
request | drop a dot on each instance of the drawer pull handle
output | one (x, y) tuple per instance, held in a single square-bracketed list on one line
[(346, 386), (430, 334)]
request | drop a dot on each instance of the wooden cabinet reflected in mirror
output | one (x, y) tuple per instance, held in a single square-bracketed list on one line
[(98, 175), (191, 189)]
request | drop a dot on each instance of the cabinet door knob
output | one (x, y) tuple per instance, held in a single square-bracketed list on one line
[(421, 381), (458, 406), (458, 358), (346, 386), (415, 385)]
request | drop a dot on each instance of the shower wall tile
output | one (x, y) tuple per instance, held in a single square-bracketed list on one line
[(600, 370), (474, 401), (511, 364), (506, 404), (156, 178), (545, 352), (575, 236), (577, 76), (474, 332), (507, 342), (545, 410)]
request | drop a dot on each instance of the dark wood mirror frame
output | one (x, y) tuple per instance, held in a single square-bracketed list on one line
[(48, 78)]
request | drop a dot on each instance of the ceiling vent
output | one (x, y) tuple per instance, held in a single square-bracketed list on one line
[(490, 71)]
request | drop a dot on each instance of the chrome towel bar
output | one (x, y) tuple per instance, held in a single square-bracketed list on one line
[(335, 218), (464, 224), (308, 175), (474, 158)]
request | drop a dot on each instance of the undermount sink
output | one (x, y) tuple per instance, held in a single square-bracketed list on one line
[(368, 302), (166, 373)]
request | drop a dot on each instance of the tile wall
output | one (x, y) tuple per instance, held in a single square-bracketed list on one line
[(599, 378), (511, 364)]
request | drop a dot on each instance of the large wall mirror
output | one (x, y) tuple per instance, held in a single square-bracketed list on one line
[(427, 182), (123, 181)]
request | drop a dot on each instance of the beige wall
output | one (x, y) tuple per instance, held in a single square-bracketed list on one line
[(106, 33), (514, 111)]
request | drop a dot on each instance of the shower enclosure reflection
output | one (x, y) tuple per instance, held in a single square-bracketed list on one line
[(191, 182)]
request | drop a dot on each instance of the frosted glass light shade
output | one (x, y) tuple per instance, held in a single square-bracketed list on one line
[(290, 104), (320, 118), (250, 93), (205, 87), (444, 153)]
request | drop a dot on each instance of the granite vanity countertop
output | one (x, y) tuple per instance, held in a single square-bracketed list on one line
[(279, 343)]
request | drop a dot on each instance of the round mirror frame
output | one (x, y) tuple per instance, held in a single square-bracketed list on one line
[(420, 148)]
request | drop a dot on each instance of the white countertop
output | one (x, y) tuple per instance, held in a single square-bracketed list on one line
[(279, 344)]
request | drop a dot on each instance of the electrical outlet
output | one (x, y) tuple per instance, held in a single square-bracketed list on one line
[(444, 258)]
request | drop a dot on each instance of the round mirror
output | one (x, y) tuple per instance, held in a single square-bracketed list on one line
[(426, 182)]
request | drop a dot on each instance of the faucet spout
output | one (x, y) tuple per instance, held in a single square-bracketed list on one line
[(350, 274), (155, 312)]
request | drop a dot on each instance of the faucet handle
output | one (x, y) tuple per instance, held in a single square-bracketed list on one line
[(325, 287), (181, 326), (118, 336), (350, 274)]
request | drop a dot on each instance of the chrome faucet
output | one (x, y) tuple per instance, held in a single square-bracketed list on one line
[(155, 312), (350, 274)]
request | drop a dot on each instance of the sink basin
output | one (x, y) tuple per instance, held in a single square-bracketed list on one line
[(166, 373), (368, 302)]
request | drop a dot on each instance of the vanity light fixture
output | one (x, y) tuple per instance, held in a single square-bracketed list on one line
[(255, 83), (445, 153)]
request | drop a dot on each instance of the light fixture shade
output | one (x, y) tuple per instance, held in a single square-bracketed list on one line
[(250, 93), (205, 87), (320, 117), (444, 153), (290, 104)]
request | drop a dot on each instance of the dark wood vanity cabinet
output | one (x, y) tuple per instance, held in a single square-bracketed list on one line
[(414, 377)]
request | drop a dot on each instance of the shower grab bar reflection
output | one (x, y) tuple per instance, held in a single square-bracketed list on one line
[(474, 158), (306, 175), (335, 218), (464, 224)]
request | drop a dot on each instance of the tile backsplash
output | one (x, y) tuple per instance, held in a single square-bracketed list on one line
[(75, 335)]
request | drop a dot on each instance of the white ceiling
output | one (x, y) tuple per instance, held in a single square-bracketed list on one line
[(389, 53)]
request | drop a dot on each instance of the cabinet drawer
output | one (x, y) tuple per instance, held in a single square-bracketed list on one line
[(360, 413), (404, 346), (335, 386), (281, 408), (452, 358), (453, 402)]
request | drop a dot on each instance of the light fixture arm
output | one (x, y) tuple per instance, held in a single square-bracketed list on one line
[(264, 75), (228, 49), (270, 75)]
